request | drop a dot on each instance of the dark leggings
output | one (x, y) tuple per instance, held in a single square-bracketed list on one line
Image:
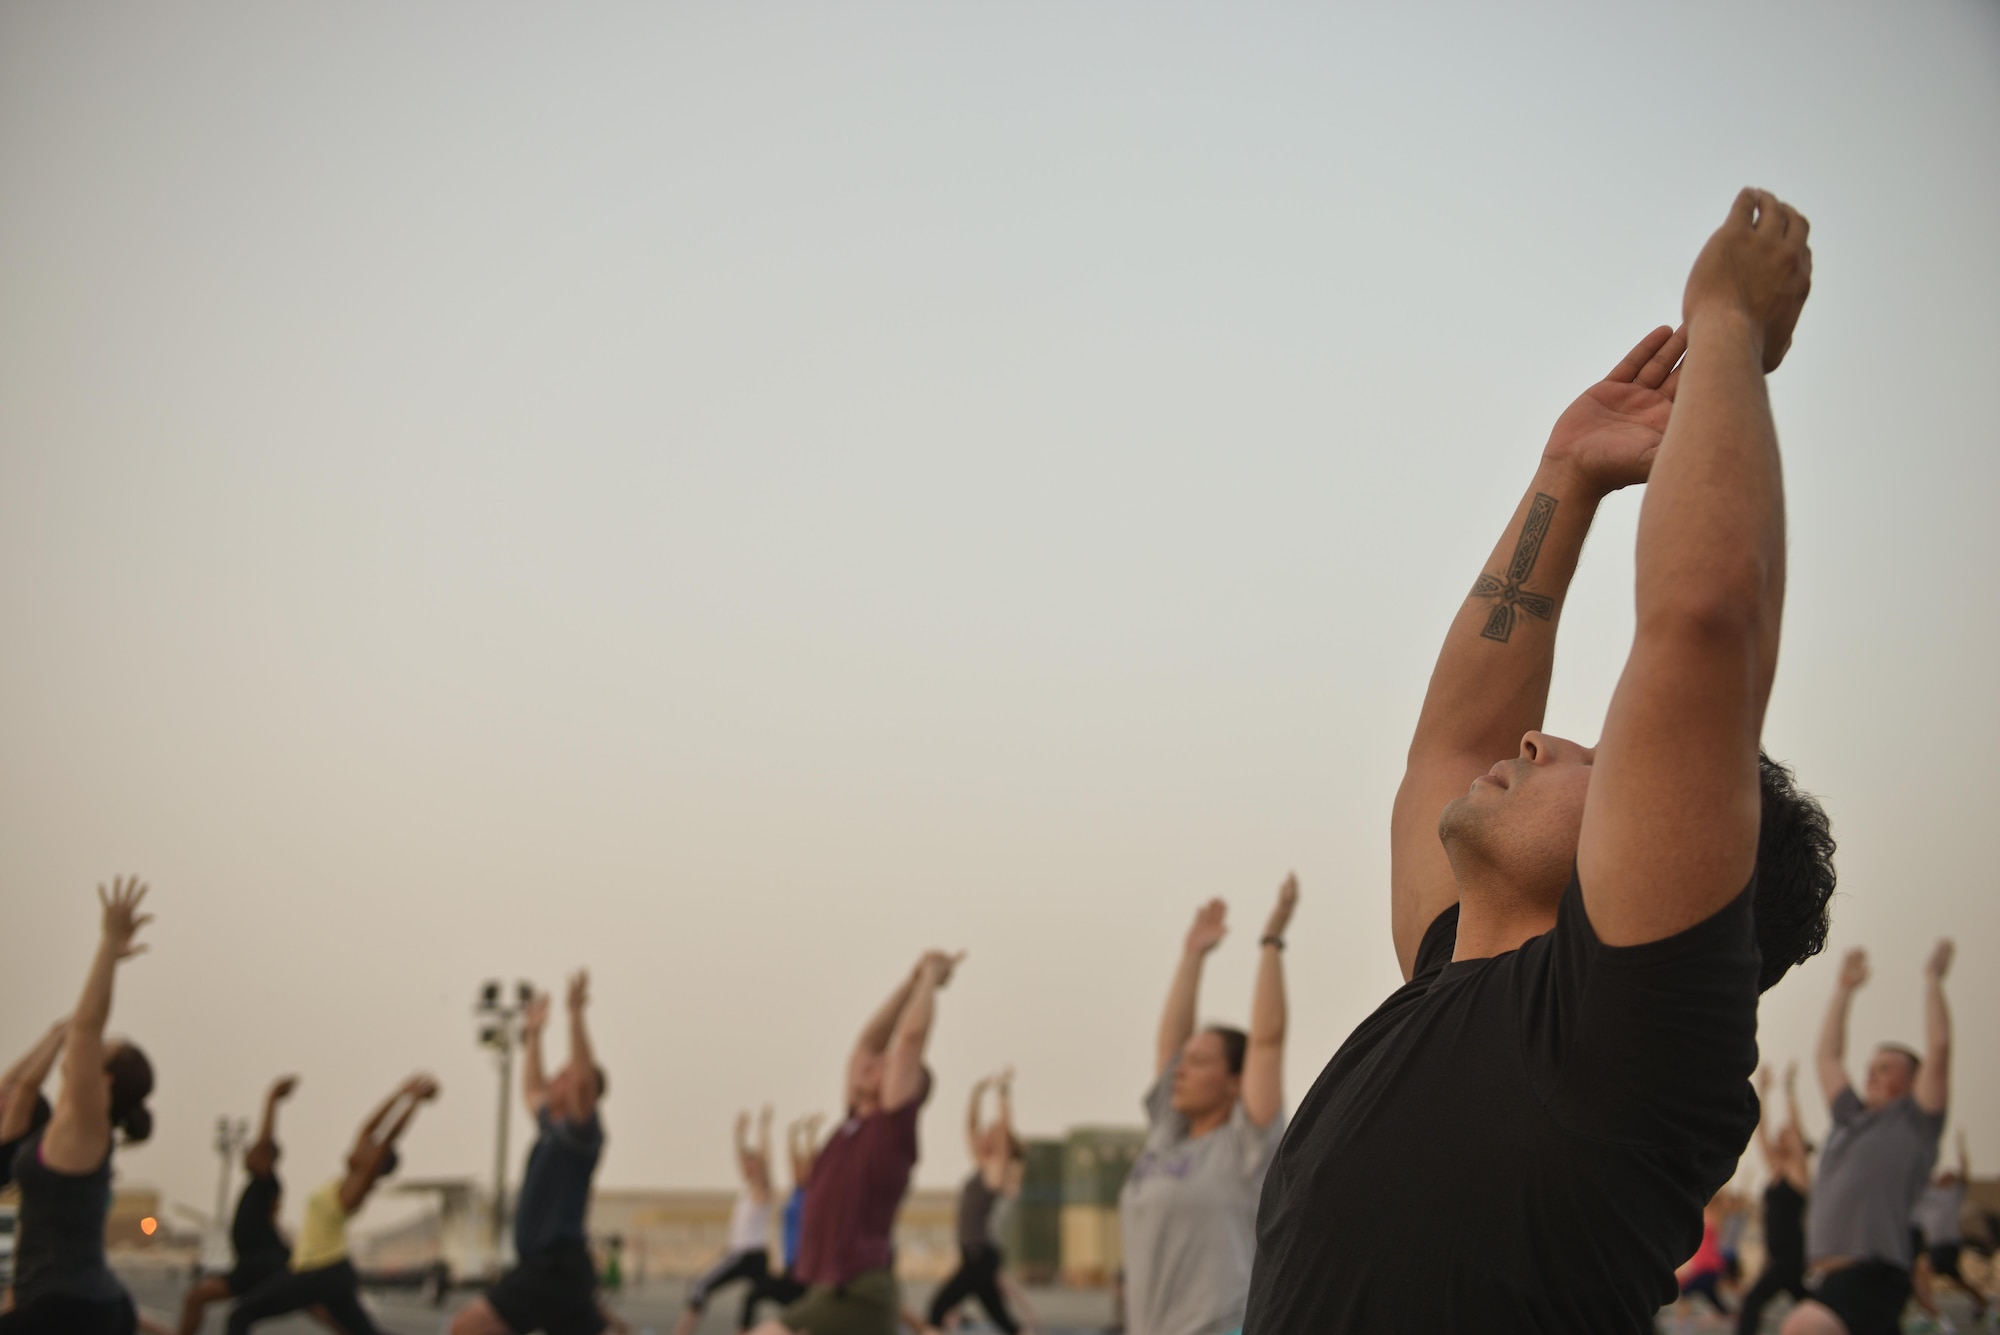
[(1775, 1280), (334, 1287), (978, 1277), (780, 1289), (1704, 1285), (71, 1316), (753, 1265)]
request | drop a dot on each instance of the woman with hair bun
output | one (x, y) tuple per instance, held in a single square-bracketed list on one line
[(1216, 1108), (62, 1284)]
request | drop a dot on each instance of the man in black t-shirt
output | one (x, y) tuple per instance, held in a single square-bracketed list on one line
[(261, 1251), (1523, 1136), (553, 1285)]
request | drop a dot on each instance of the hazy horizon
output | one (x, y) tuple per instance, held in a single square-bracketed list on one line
[(735, 495)]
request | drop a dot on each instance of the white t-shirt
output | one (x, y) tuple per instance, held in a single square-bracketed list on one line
[(749, 1224), (1189, 1216)]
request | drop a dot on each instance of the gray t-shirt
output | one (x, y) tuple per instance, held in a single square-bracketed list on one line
[(1937, 1214), (1877, 1162), (1189, 1216)]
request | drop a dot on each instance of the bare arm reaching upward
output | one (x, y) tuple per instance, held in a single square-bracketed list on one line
[(372, 1145), (1831, 1058), (881, 1027), (1184, 993), (24, 1080), (1933, 1089), (264, 1150), (1264, 1059), (1670, 825), (79, 1134), (534, 1071), (1491, 682), (903, 1078), (974, 1142), (582, 1057)]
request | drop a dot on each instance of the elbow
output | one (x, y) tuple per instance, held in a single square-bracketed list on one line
[(1714, 604)]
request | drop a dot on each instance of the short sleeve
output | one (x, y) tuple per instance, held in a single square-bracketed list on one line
[(1162, 1121), (1256, 1145), (1847, 1107), (1440, 941), (1651, 1044), (1929, 1125)]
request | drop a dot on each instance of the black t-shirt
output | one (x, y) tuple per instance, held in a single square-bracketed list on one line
[(1521, 1143), (1785, 1226), (253, 1234), (555, 1190)]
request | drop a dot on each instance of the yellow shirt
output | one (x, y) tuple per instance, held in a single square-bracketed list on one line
[(323, 1236)]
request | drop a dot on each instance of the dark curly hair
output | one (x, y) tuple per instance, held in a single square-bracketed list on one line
[(1795, 875)]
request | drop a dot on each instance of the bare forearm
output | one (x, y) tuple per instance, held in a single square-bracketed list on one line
[(1711, 547), (371, 1128), (1177, 1020), (881, 1026), (93, 1008), (913, 1026), (1267, 1006), (581, 1054), (1832, 1055), (402, 1122), (1006, 1100), (267, 1126), (534, 1074), (1937, 1021), (1491, 682)]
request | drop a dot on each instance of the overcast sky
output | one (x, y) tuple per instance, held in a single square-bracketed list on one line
[(734, 494)]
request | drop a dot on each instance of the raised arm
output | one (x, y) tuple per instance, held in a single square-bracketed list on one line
[(881, 1027), (1670, 825), (1184, 993), (79, 1134), (24, 1080), (263, 1154), (903, 1078), (1831, 1058), (1003, 1098), (534, 1069), (1964, 1159), (1767, 1144), (1933, 1089), (1264, 1059), (582, 1056), (372, 1145), (975, 1143), (1491, 682)]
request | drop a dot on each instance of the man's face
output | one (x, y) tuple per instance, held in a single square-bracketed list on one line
[(1890, 1075), (1523, 817)]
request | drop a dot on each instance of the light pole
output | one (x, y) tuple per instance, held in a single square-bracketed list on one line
[(229, 1139), (500, 1030)]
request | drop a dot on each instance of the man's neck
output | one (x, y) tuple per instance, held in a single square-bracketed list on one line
[(1492, 919)]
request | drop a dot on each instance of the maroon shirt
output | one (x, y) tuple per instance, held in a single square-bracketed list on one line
[(857, 1185)]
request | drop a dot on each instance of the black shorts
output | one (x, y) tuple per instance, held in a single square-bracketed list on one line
[(1867, 1296), (1944, 1260), (554, 1290), (56, 1315), (251, 1271)]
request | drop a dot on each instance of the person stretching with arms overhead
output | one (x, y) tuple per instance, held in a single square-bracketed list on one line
[(553, 1285), (1789, 1159), (1877, 1160), (802, 1147), (320, 1275), (1216, 1111), (748, 1255), (63, 1284), (1523, 1136), (846, 1253), (1940, 1217), (983, 1205), (261, 1251)]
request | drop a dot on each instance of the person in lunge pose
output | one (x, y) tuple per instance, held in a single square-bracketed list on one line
[(321, 1275), (748, 1258), (995, 1183), (802, 1148), (1877, 1161), (261, 1251), (1788, 1158), (1523, 1136), (1216, 1112), (62, 1282), (863, 1171), (1939, 1216), (553, 1285)]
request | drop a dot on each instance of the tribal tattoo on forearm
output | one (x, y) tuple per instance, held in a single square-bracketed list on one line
[(1507, 593)]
